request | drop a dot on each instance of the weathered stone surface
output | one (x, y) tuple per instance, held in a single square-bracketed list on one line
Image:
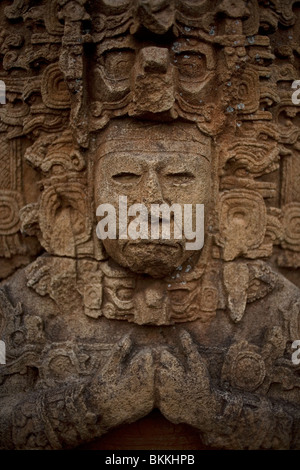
[(163, 102)]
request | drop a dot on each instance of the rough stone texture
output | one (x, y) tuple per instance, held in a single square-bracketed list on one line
[(186, 102)]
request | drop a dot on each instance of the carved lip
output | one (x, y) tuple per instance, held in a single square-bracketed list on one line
[(156, 243), (173, 248)]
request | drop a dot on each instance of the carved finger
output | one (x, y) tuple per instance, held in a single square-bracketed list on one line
[(189, 348), (141, 366), (196, 363), (170, 367), (119, 352)]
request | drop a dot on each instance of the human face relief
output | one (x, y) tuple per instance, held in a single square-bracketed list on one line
[(152, 176)]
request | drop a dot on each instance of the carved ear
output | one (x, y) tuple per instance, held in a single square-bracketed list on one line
[(242, 223), (64, 218)]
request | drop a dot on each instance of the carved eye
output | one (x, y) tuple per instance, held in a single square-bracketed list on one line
[(178, 296), (125, 294), (126, 177), (264, 61), (34, 98), (39, 63), (191, 64), (180, 178), (118, 63)]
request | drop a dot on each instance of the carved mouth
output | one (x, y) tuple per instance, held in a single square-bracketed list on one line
[(168, 245), (154, 257)]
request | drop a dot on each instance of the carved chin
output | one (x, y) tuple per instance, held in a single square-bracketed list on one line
[(156, 258)]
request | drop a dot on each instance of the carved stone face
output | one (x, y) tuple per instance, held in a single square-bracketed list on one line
[(152, 164)]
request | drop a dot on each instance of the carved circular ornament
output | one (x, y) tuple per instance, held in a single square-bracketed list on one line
[(10, 204), (247, 371), (291, 214)]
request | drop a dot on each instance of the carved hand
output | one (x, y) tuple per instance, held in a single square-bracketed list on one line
[(184, 389), (124, 390)]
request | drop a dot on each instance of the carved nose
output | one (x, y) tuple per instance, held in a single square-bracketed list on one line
[(153, 191), (155, 60), (153, 82)]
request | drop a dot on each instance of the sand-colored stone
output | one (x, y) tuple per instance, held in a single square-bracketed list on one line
[(178, 102)]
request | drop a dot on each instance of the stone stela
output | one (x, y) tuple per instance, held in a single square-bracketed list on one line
[(187, 103)]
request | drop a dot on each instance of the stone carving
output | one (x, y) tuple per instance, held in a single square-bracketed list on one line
[(162, 102)]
